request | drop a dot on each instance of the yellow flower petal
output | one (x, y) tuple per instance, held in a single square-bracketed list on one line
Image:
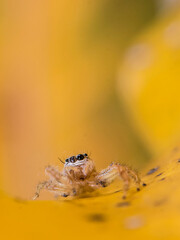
[(152, 213)]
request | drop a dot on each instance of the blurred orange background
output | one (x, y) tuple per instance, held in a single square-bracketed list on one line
[(100, 77)]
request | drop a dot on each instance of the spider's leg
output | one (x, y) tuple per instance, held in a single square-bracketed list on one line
[(54, 174), (136, 178), (108, 175), (44, 185), (60, 189), (126, 182), (132, 174)]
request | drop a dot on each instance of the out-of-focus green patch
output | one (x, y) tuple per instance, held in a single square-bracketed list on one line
[(118, 21)]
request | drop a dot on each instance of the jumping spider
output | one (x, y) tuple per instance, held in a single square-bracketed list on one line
[(80, 176)]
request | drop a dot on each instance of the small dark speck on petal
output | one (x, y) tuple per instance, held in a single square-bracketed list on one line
[(160, 202), (123, 204), (175, 149), (159, 174), (153, 170), (178, 160), (162, 179), (97, 217), (19, 200)]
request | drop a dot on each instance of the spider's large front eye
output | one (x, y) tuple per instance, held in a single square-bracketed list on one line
[(72, 159), (80, 157), (85, 154)]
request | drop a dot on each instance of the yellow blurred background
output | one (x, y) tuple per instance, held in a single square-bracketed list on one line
[(100, 77)]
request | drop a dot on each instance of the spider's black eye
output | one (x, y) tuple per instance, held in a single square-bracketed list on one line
[(67, 160), (72, 159), (80, 157), (85, 154)]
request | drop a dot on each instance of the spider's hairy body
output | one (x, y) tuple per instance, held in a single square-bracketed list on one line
[(79, 176)]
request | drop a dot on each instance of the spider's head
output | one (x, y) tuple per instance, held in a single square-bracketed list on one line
[(78, 160), (79, 167)]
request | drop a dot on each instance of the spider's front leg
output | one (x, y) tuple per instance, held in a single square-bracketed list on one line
[(108, 175), (58, 183), (48, 185), (59, 189)]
